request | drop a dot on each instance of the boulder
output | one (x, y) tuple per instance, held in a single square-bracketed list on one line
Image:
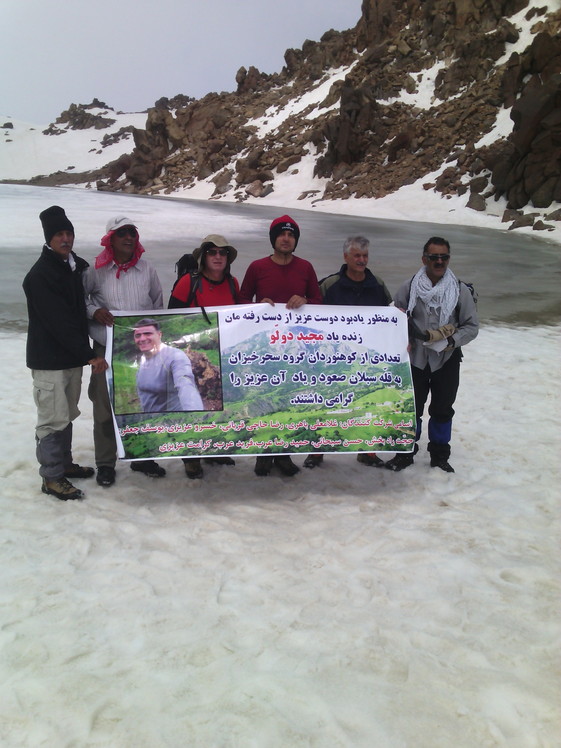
[(478, 184), (117, 168), (286, 163), (510, 215), (258, 189), (542, 196), (223, 182), (247, 176), (522, 221), (476, 202), (248, 80)]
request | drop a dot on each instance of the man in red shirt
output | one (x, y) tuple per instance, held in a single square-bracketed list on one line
[(284, 279), (281, 277)]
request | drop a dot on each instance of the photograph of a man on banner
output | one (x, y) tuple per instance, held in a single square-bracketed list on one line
[(166, 364)]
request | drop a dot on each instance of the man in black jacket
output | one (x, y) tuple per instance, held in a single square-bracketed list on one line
[(353, 285), (57, 348)]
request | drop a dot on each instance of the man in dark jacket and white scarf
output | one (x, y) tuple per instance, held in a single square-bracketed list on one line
[(442, 318), (57, 348)]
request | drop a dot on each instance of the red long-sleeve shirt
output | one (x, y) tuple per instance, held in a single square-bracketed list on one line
[(265, 279)]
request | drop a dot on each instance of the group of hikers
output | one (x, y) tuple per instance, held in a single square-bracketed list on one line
[(70, 306)]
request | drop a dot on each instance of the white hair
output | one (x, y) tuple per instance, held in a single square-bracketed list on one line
[(360, 242)]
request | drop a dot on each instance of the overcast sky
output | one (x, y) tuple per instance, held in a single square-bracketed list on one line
[(129, 53)]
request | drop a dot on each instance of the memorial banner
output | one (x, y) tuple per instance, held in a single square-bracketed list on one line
[(261, 379)]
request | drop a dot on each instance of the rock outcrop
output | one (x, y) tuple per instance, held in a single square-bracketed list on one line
[(77, 117)]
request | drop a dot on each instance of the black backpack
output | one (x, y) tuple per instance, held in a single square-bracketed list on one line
[(186, 264)]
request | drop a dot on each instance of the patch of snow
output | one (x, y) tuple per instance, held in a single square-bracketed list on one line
[(275, 116), (423, 98)]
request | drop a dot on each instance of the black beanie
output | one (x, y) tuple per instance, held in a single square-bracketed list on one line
[(54, 219), (284, 223)]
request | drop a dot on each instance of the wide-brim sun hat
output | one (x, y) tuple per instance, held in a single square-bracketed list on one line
[(215, 240)]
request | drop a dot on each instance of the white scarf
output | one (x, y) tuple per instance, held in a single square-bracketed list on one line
[(443, 295)]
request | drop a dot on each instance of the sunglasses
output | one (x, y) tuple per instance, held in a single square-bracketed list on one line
[(438, 258), (223, 252), (126, 231)]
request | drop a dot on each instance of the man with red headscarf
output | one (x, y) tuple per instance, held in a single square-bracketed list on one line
[(121, 280)]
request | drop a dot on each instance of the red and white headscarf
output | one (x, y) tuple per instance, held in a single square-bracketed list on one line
[(107, 256)]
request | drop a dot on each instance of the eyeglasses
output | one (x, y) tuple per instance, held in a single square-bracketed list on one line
[(223, 252), (438, 258), (126, 231)]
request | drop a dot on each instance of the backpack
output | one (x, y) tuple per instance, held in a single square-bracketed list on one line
[(474, 294), (186, 264), (329, 280)]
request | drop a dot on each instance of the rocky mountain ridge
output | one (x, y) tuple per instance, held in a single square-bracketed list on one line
[(371, 131)]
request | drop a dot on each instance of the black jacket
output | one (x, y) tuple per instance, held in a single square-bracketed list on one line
[(339, 289), (57, 336)]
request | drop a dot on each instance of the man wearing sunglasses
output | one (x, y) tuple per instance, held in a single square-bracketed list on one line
[(442, 318), (212, 284), (123, 281)]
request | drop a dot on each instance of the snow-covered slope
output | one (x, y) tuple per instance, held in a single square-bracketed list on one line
[(26, 152)]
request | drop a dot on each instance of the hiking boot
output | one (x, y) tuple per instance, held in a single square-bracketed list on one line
[(61, 488), (399, 462), (105, 476), (77, 471), (149, 468), (441, 463), (286, 466), (370, 459), (220, 460), (193, 467), (313, 461), (263, 465)]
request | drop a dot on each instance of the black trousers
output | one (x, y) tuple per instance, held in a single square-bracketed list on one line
[(443, 388)]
